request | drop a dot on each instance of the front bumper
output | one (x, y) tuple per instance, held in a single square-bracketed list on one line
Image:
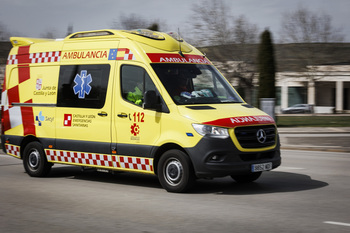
[(213, 157)]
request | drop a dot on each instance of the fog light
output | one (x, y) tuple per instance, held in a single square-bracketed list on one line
[(215, 158)]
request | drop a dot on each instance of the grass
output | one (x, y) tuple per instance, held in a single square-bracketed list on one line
[(313, 121)]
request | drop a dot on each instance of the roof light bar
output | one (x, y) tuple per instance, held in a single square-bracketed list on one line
[(91, 34)]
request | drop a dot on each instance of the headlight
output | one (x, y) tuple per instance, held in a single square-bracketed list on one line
[(211, 131)]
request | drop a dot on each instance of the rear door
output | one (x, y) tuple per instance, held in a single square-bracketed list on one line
[(84, 108)]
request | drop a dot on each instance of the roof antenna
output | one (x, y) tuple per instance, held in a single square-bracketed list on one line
[(179, 40)]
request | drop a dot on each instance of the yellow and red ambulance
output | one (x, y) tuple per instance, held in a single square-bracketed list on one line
[(138, 101)]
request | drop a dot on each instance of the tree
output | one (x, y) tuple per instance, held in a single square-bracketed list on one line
[(69, 29), (4, 33), (129, 22), (134, 21), (266, 67), (244, 32), (154, 27), (211, 22), (227, 40), (49, 34), (305, 26)]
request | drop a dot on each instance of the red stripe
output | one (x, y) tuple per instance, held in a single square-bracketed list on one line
[(23, 55), (13, 95), (176, 58), (241, 121), (6, 120), (28, 119), (23, 73)]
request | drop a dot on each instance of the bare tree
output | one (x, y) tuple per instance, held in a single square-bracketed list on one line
[(49, 34), (305, 26), (211, 22), (134, 21), (311, 30), (4, 33), (245, 32), (129, 22)]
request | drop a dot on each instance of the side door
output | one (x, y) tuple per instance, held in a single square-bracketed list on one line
[(137, 130), (83, 113)]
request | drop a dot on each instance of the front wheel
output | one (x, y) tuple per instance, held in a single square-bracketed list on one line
[(175, 172), (248, 178), (34, 160)]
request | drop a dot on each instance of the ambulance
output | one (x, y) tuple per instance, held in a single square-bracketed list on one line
[(133, 101)]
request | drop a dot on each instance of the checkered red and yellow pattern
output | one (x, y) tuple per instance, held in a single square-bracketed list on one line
[(13, 150), (144, 165)]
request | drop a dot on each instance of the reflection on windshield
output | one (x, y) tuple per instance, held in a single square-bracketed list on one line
[(195, 84)]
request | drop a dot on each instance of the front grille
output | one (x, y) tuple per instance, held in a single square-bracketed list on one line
[(247, 136)]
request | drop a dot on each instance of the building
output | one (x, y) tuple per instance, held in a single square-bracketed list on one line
[(315, 74)]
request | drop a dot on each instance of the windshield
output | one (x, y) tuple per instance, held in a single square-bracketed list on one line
[(195, 84)]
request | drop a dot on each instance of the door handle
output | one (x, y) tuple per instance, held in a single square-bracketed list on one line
[(102, 114), (122, 115)]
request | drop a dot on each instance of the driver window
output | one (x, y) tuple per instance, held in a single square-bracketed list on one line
[(134, 83)]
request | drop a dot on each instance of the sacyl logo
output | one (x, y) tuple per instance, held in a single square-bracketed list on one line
[(40, 118)]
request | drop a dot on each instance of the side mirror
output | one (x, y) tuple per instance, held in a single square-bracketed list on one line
[(150, 100)]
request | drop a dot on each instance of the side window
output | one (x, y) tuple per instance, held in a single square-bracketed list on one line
[(134, 83), (83, 86)]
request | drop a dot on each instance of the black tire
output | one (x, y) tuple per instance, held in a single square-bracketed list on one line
[(175, 172), (34, 160), (248, 178)]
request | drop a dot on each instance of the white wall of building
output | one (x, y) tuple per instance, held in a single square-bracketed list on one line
[(328, 88)]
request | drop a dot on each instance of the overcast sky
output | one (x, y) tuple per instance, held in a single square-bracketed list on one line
[(33, 18)]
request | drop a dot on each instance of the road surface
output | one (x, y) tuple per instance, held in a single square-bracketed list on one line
[(309, 193)]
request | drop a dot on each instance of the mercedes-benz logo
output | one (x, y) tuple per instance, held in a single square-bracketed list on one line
[(261, 135)]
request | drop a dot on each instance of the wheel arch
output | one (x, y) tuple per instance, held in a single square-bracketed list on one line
[(28, 139), (161, 150)]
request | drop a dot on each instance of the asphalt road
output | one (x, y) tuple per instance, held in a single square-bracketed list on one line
[(308, 193), (335, 139)]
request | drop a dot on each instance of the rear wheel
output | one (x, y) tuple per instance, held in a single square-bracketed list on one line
[(34, 160), (248, 178), (175, 172)]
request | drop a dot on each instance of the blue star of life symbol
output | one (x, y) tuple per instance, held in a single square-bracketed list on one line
[(82, 86)]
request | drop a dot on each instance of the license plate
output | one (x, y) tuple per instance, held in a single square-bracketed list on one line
[(261, 167)]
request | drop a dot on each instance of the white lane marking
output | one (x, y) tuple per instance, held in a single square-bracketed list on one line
[(338, 223)]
